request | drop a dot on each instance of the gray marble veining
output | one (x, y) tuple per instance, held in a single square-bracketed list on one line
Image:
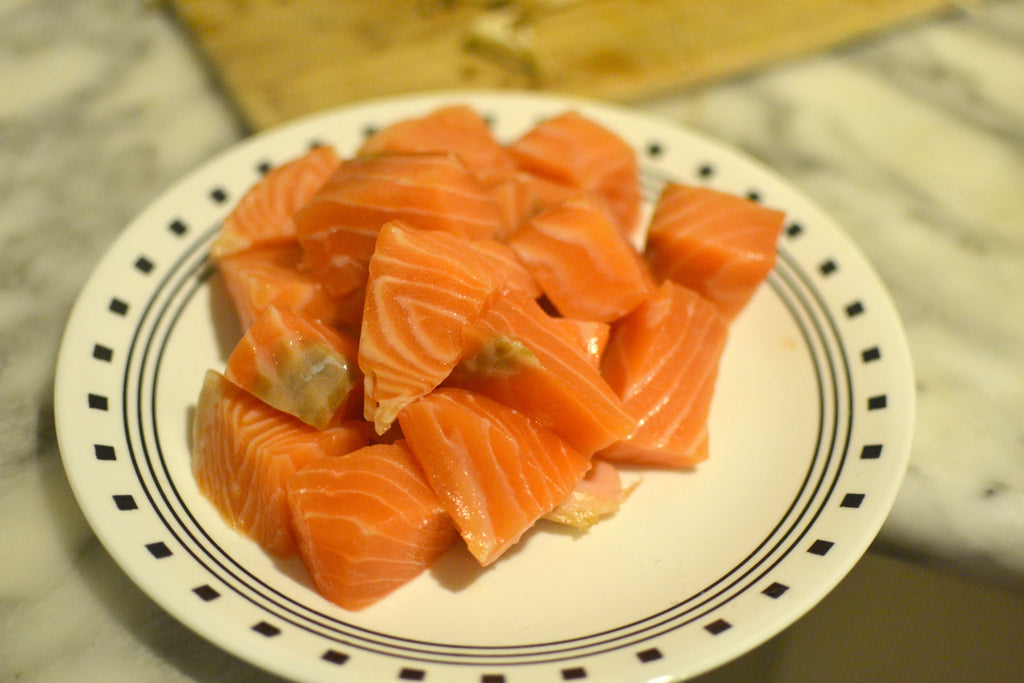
[(913, 140)]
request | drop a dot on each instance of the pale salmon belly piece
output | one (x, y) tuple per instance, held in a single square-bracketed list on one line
[(496, 471), (423, 288), (662, 359), (570, 149), (338, 227), (597, 495), (457, 128), (299, 366), (244, 451), (265, 213), (591, 335), (259, 278), (366, 523), (518, 355), (582, 262), (718, 244)]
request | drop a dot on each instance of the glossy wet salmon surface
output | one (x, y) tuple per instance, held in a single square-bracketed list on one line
[(338, 226), (366, 523), (662, 361), (299, 366), (423, 288), (265, 213), (497, 472), (447, 337), (718, 244), (521, 356), (245, 451), (574, 151), (581, 261), (273, 276)]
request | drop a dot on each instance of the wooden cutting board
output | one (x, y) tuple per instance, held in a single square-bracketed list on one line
[(279, 59)]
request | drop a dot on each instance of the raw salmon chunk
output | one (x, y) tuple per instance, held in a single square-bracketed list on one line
[(582, 262), (366, 523), (244, 451), (517, 202), (423, 288), (518, 355), (338, 227), (448, 336), (591, 335), (662, 359), (720, 245), (261, 277), (509, 271), (496, 471), (461, 130), (570, 149), (298, 366), (457, 128), (264, 214), (535, 193)]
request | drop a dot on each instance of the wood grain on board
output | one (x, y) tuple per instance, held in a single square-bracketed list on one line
[(279, 59)]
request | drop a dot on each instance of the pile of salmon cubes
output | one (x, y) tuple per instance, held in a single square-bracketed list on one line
[(448, 338)]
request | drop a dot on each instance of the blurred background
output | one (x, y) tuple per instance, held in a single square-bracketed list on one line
[(903, 118)]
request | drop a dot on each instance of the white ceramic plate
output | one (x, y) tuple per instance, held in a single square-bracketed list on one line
[(810, 436)]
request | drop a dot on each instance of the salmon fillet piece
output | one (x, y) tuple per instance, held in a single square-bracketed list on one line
[(662, 360), (338, 227), (366, 523), (718, 244), (244, 451), (496, 471), (265, 213)]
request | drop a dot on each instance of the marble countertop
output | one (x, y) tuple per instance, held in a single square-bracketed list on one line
[(913, 141)]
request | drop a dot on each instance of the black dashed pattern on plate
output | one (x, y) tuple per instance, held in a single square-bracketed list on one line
[(125, 501), (794, 286), (104, 452), (177, 274), (118, 307), (144, 265), (206, 592)]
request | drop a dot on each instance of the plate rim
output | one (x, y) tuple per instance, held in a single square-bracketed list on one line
[(67, 362)]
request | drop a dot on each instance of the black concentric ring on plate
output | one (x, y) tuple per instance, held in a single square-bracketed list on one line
[(186, 278), (168, 281)]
